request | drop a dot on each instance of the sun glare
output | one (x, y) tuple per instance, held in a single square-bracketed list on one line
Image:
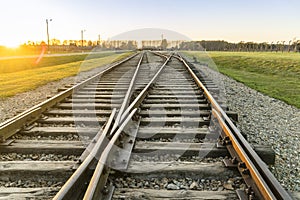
[(11, 44)]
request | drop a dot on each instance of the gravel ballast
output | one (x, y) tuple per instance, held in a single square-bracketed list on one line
[(187, 183), (11, 106), (265, 121), (272, 122)]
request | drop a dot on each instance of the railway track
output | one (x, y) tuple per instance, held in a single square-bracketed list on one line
[(148, 127)]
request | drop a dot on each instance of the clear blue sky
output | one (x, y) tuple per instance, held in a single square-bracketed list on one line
[(231, 20)]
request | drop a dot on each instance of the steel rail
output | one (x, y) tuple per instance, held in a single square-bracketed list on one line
[(127, 96), (143, 93), (98, 180), (266, 182), (70, 189), (11, 126), (258, 179), (96, 186), (99, 147)]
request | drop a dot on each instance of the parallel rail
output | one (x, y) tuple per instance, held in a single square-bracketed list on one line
[(98, 181), (261, 183)]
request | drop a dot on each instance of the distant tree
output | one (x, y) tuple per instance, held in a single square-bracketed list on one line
[(104, 45), (241, 46), (277, 46), (282, 46), (123, 45), (289, 46), (96, 43), (55, 42), (271, 46), (256, 47), (164, 44), (131, 45), (30, 43), (265, 46), (296, 45)]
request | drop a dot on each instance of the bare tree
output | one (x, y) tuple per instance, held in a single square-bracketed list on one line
[(289, 47), (297, 44), (277, 46), (164, 44), (282, 46)]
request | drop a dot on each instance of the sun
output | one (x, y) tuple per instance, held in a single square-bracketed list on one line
[(11, 44)]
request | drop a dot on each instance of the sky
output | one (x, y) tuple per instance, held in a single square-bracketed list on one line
[(230, 20)]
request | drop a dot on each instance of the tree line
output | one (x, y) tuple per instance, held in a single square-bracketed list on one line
[(85, 44), (221, 45), (203, 45)]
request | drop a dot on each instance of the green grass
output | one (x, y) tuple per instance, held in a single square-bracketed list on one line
[(28, 79), (274, 74)]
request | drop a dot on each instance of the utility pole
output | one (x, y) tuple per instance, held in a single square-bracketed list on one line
[(47, 22), (82, 37), (162, 39)]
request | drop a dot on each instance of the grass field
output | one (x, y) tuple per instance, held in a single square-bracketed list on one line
[(20, 64), (274, 74), (52, 69)]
